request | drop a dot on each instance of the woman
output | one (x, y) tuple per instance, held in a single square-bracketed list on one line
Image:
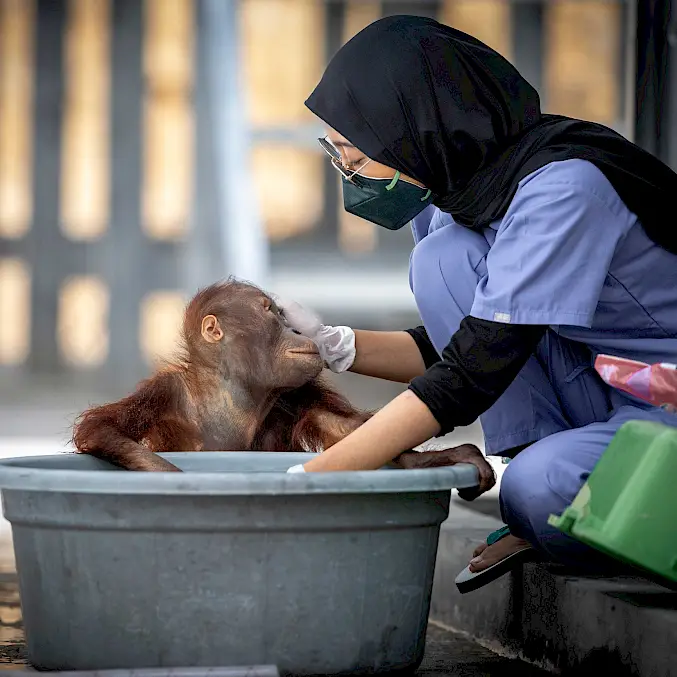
[(540, 242)]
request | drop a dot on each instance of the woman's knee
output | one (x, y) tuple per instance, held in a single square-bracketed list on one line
[(445, 267), (459, 250)]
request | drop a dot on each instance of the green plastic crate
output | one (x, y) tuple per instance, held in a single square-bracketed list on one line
[(628, 506)]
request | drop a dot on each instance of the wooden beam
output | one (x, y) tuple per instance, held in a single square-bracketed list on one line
[(85, 161), (582, 70)]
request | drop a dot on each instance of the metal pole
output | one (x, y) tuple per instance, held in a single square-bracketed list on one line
[(244, 240)]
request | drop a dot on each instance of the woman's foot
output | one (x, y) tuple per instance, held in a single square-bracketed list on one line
[(485, 555)]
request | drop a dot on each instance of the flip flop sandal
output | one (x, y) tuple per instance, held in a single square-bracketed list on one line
[(467, 580)]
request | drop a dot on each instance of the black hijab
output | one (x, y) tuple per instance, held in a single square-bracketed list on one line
[(447, 110)]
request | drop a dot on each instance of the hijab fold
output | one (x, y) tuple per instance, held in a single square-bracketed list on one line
[(442, 107)]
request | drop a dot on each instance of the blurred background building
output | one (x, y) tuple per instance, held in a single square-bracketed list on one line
[(148, 147)]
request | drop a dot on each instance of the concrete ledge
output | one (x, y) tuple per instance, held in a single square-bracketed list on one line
[(573, 625)]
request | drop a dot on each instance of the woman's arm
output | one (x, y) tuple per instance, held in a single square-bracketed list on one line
[(401, 425), (390, 355), (478, 365)]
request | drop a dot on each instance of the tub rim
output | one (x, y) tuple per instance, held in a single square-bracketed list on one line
[(15, 476)]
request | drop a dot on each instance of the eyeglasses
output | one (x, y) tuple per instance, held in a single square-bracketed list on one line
[(337, 161)]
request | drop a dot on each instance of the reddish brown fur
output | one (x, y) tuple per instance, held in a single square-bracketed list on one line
[(312, 418)]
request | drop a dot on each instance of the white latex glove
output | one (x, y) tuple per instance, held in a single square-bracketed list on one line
[(336, 344)]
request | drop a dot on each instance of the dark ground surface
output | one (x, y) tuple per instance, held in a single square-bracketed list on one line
[(12, 648), (447, 653)]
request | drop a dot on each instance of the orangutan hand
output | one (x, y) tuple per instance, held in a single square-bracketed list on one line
[(465, 453)]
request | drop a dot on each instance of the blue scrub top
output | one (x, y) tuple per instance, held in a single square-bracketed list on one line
[(569, 254)]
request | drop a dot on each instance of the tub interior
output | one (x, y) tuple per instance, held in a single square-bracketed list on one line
[(219, 472), (202, 462)]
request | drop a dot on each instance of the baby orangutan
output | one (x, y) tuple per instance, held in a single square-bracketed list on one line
[(243, 381)]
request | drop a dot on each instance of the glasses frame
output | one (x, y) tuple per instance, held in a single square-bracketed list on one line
[(337, 161)]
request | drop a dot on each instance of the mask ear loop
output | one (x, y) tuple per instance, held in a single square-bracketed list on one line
[(396, 178)]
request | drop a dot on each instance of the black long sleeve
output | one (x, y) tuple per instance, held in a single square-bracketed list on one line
[(425, 346), (480, 362)]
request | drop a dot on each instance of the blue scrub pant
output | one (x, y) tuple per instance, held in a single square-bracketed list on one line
[(558, 405)]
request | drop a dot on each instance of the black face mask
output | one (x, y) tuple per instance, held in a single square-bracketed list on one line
[(390, 203)]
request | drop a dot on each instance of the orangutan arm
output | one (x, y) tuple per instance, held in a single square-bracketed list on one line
[(114, 432)]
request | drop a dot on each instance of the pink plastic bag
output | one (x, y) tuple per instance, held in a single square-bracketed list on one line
[(654, 383)]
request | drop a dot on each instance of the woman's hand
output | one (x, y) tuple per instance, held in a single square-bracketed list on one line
[(401, 425), (390, 355), (336, 344)]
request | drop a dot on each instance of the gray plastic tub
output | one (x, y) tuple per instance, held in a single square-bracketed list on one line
[(233, 562)]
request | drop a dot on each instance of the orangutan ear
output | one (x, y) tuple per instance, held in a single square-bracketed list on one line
[(211, 329)]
